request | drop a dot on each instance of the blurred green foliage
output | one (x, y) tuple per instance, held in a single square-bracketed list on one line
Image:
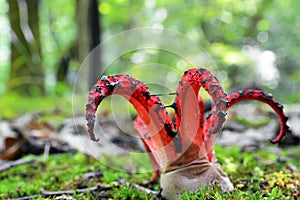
[(58, 30), (243, 37), (13, 105), (251, 41)]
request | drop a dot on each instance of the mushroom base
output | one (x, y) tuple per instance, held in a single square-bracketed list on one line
[(190, 178)]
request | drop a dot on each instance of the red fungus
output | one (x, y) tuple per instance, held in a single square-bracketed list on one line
[(183, 151)]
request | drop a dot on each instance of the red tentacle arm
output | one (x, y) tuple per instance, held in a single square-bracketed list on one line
[(141, 128), (195, 79), (189, 111), (259, 95), (149, 108)]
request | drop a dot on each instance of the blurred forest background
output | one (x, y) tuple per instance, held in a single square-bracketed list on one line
[(43, 43)]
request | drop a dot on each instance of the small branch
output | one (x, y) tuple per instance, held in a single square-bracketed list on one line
[(27, 197), (46, 193), (138, 187), (9, 164)]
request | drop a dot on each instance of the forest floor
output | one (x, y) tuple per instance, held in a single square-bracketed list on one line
[(73, 175), (48, 155)]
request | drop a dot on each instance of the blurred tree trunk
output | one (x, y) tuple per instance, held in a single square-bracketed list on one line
[(89, 34), (26, 72)]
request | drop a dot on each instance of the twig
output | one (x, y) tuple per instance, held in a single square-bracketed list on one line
[(27, 197), (160, 94), (139, 187), (9, 164), (46, 193), (47, 150)]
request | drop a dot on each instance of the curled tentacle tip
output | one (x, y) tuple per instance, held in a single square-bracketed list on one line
[(274, 141), (95, 139), (281, 135)]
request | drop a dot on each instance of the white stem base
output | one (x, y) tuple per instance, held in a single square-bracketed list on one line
[(190, 178)]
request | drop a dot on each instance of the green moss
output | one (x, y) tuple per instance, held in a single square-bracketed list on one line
[(128, 193), (28, 179), (255, 175), (253, 124)]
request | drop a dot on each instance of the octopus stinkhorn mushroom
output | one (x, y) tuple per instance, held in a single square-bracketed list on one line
[(181, 148)]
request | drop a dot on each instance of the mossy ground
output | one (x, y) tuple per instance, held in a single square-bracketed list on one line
[(255, 175)]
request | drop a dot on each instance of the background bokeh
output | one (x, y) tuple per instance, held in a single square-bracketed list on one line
[(253, 43)]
